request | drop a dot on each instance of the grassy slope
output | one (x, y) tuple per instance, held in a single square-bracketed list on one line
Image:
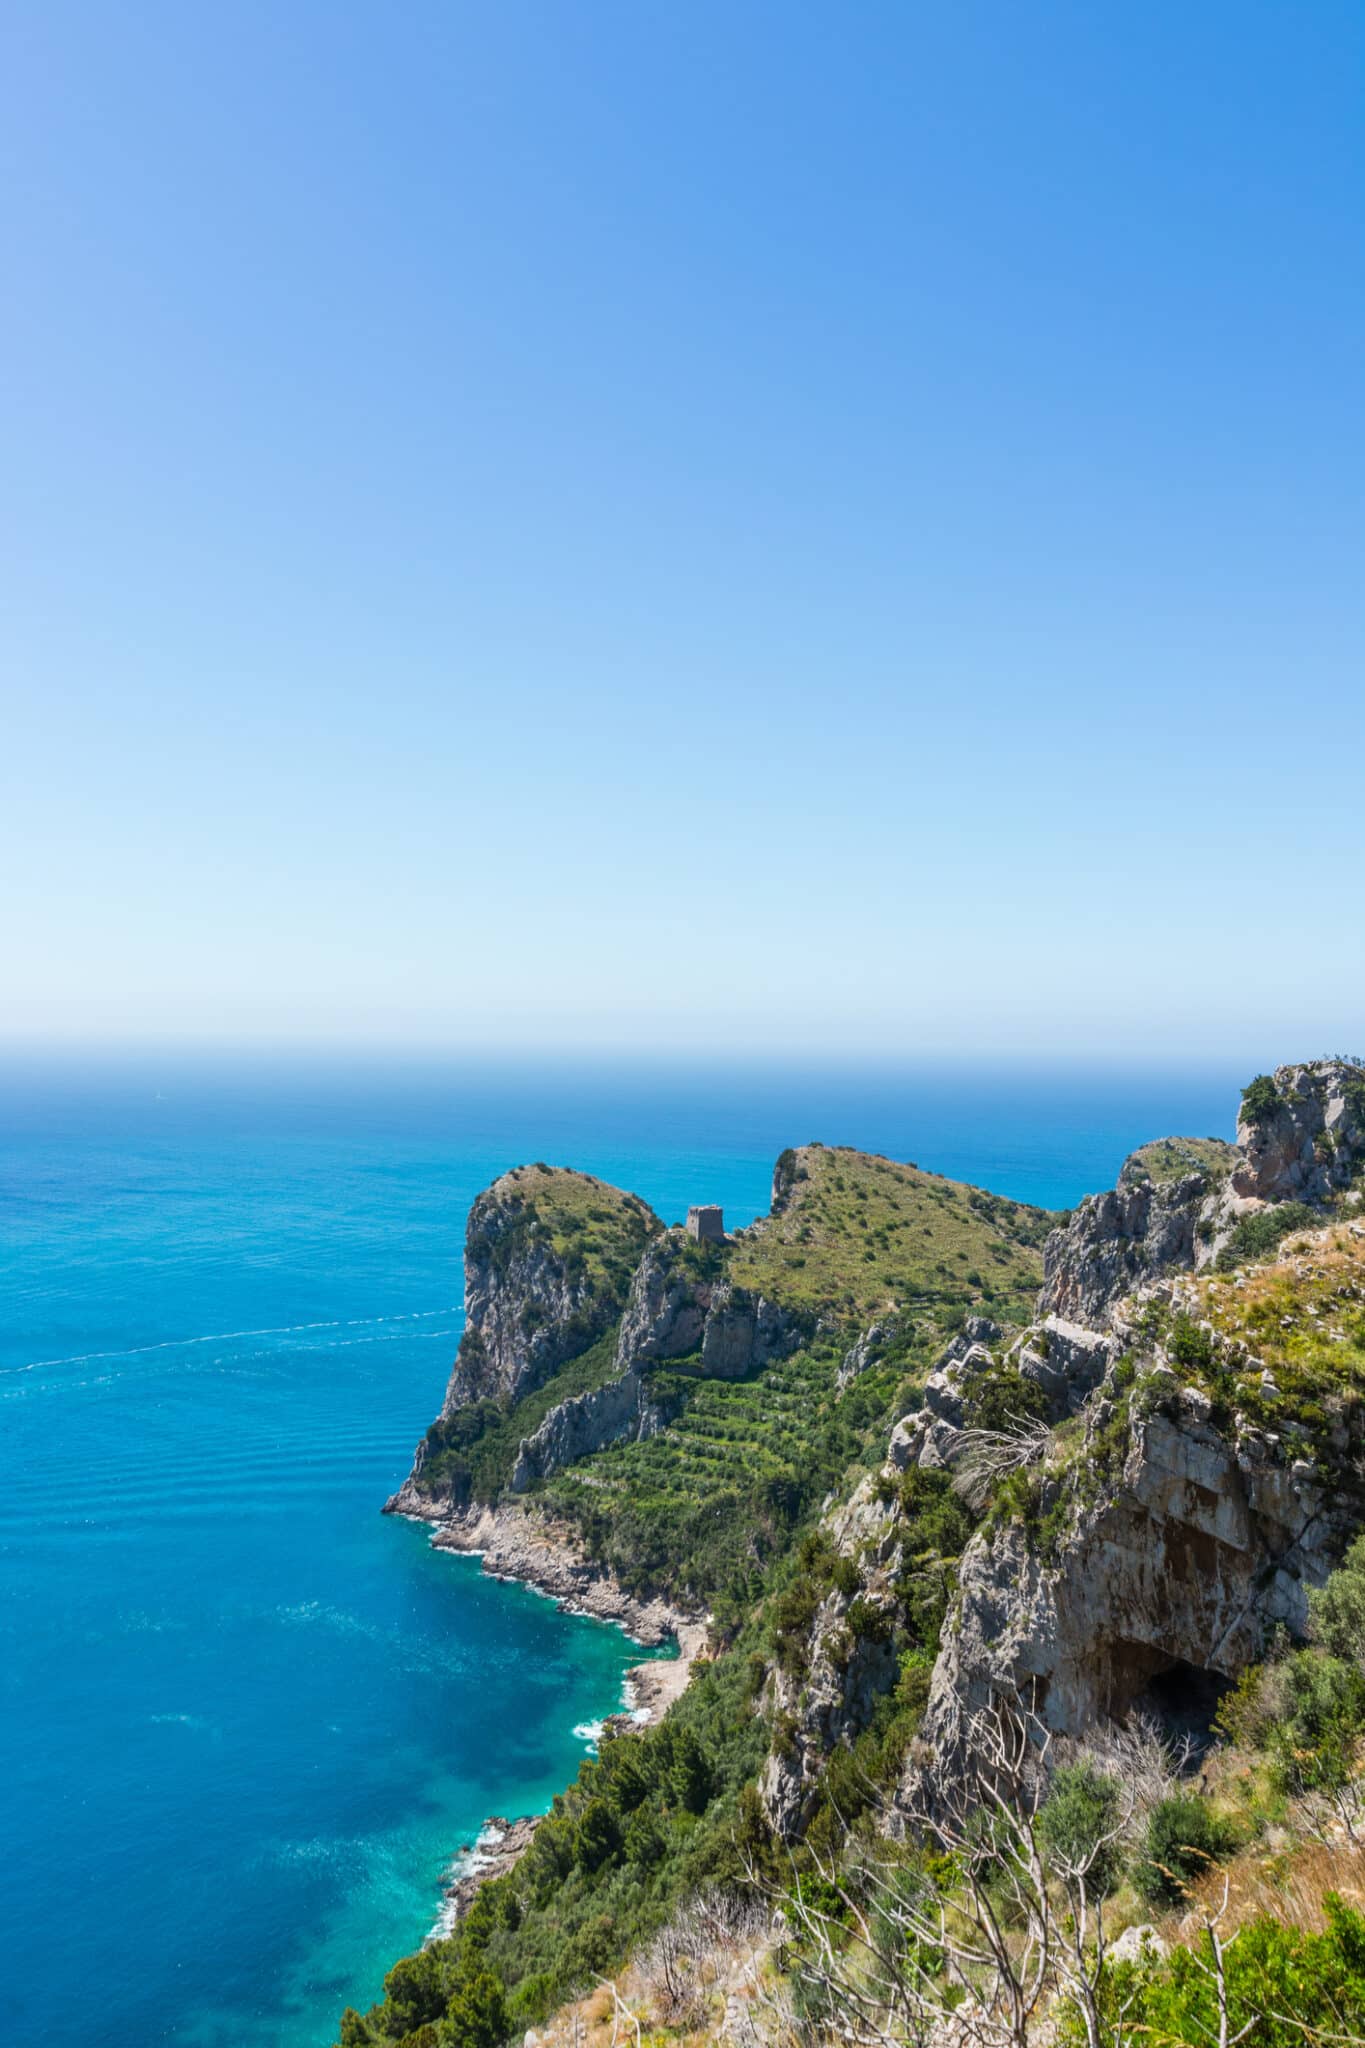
[(1168, 1159), (1301, 1318), (583, 1221), (860, 1234)]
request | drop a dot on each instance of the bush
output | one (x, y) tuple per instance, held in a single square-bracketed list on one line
[(1260, 1100), (1083, 1807), (1260, 1236), (1315, 1746), (1002, 1399), (1285, 1988), (1336, 1615), (1183, 1839), (1189, 1345)]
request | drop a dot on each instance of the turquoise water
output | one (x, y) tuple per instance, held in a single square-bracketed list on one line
[(245, 1721)]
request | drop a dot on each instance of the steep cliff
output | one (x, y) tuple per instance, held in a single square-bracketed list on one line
[(1210, 1463), (911, 1449), (549, 1255), (1183, 1203)]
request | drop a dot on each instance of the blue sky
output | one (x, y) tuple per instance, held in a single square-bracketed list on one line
[(823, 528)]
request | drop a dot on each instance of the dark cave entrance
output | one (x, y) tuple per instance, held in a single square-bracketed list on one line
[(1182, 1698)]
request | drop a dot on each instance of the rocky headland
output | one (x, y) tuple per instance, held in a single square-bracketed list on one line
[(899, 1455)]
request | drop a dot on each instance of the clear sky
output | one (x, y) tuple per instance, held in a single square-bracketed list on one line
[(716, 525)]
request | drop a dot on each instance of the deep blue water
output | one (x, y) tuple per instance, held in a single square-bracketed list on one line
[(245, 1722)]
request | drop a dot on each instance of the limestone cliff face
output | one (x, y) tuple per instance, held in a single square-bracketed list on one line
[(1117, 1240), (670, 1293), (625, 1410), (1218, 1474), (548, 1255), (680, 1305), (1300, 1138), (1307, 1142), (831, 1699), (1209, 1540)]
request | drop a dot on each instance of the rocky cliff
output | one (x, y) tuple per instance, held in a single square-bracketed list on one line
[(549, 1255), (1179, 1201), (1161, 1465), (1209, 1465)]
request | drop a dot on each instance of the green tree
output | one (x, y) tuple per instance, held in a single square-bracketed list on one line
[(1336, 1614), (1082, 1811), (599, 1835), (415, 1989), (691, 1773), (1184, 1838), (477, 2014), (1315, 1746), (1260, 1100)]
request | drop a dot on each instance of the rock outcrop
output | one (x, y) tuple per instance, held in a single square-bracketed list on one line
[(679, 1306), (548, 1256), (1116, 1241), (831, 1699), (1302, 1136), (625, 1410), (1175, 1576)]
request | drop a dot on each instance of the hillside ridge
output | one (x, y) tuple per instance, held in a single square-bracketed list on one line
[(909, 1455)]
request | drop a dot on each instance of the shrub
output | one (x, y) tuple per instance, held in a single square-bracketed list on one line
[(1285, 1987), (869, 1624), (1336, 1614), (1316, 1744), (1082, 1808), (1260, 1100), (1189, 1345), (1259, 1236), (1003, 1399), (1183, 1838)]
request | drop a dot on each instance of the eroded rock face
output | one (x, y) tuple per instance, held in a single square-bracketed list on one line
[(831, 1701), (1301, 1138), (1117, 1240), (529, 1304), (677, 1307), (1310, 1142), (578, 1427), (1207, 1543), (665, 1312)]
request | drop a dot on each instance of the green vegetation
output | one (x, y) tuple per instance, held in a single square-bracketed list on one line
[(1285, 1986), (1184, 1838), (595, 1231), (1170, 1159), (1260, 1100), (859, 1234), (656, 1815), (470, 1454), (1260, 1235), (1298, 1323), (1078, 1826)]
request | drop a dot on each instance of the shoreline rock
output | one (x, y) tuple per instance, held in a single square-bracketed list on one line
[(499, 1846), (516, 1544), (513, 1542)]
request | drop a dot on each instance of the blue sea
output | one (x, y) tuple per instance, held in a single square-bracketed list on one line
[(245, 1722)]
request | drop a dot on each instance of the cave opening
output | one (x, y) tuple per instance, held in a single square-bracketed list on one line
[(1180, 1697)]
